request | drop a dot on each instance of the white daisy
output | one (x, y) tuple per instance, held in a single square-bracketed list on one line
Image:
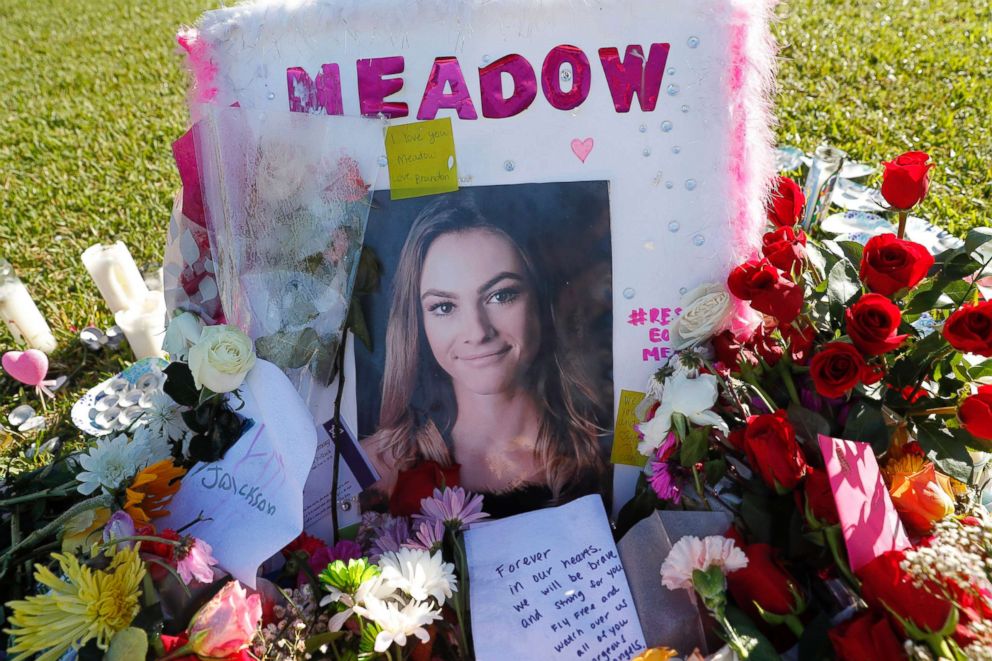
[(419, 574), (398, 622), (109, 464), (373, 588)]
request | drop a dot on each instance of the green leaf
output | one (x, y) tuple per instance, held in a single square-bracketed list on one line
[(979, 371), (714, 470), (637, 508), (357, 325), (808, 424), (866, 423), (977, 238), (843, 284), (366, 648), (908, 370), (288, 349), (818, 260), (947, 448), (369, 272), (694, 447), (938, 294), (756, 513), (179, 384), (757, 647), (960, 266), (852, 250), (815, 643)]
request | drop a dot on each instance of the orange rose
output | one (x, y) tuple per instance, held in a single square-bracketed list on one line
[(922, 497)]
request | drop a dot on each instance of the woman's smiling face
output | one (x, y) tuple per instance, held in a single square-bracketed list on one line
[(479, 310)]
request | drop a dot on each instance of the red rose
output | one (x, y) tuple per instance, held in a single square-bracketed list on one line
[(975, 413), (867, 636), (764, 581), (820, 497), (304, 542), (837, 368), (872, 323), (727, 350), (906, 180), (763, 344), (785, 208), (969, 329), (418, 483), (172, 644), (800, 341), (885, 584), (785, 248), (889, 264), (772, 450), (769, 292)]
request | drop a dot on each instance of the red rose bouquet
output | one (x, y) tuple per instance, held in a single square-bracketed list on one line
[(883, 344)]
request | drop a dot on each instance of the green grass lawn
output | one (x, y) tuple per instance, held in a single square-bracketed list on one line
[(92, 96)]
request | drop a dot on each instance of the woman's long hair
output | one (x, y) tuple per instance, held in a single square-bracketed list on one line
[(418, 402)]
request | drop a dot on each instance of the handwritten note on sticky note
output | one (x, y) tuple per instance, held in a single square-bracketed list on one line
[(549, 585), (421, 159), (624, 434), (869, 522)]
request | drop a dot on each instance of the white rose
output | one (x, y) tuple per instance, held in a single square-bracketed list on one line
[(704, 311), (221, 358), (182, 333), (281, 172), (693, 398)]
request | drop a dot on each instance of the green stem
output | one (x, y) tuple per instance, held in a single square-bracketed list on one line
[(840, 559), (461, 599), (765, 397), (699, 488), (54, 526), (60, 491), (795, 626), (903, 215), (790, 385), (733, 639)]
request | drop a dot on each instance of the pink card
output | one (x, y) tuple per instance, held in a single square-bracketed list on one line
[(868, 520)]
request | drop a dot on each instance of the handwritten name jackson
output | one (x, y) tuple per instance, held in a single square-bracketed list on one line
[(628, 76), (218, 478)]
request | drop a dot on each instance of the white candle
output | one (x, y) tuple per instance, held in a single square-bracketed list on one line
[(116, 275), (19, 312), (144, 325)]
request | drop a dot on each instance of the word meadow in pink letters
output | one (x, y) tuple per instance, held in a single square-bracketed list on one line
[(628, 76), (656, 322)]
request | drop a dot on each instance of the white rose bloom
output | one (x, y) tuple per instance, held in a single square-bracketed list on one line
[(693, 398), (182, 332), (705, 310), (221, 358), (419, 574), (281, 171)]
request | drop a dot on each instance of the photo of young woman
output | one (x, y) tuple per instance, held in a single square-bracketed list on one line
[(479, 378)]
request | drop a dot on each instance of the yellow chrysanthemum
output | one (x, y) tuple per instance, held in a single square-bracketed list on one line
[(89, 604), (151, 491)]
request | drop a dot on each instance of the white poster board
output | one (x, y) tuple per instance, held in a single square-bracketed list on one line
[(687, 155)]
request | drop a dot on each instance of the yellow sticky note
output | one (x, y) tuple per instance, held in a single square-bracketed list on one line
[(624, 435), (421, 159)]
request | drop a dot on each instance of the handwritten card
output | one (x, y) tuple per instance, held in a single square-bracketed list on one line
[(252, 499), (869, 522), (549, 585), (421, 158), (624, 433)]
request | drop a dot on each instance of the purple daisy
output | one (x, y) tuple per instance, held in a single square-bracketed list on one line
[(453, 507)]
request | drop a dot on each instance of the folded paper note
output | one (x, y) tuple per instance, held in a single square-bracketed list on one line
[(869, 521), (625, 436), (251, 501), (668, 617), (549, 585)]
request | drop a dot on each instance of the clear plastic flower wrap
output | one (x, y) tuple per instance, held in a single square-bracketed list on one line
[(286, 207)]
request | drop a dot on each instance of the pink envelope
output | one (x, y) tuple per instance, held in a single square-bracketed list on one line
[(868, 520)]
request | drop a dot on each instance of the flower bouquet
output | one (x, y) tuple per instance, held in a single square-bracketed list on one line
[(883, 345)]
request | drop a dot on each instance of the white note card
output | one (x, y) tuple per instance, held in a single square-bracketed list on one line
[(549, 585)]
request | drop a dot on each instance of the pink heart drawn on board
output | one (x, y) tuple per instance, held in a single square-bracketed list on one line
[(581, 148), (29, 367)]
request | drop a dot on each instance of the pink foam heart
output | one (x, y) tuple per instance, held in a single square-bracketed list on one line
[(581, 148), (29, 367)]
